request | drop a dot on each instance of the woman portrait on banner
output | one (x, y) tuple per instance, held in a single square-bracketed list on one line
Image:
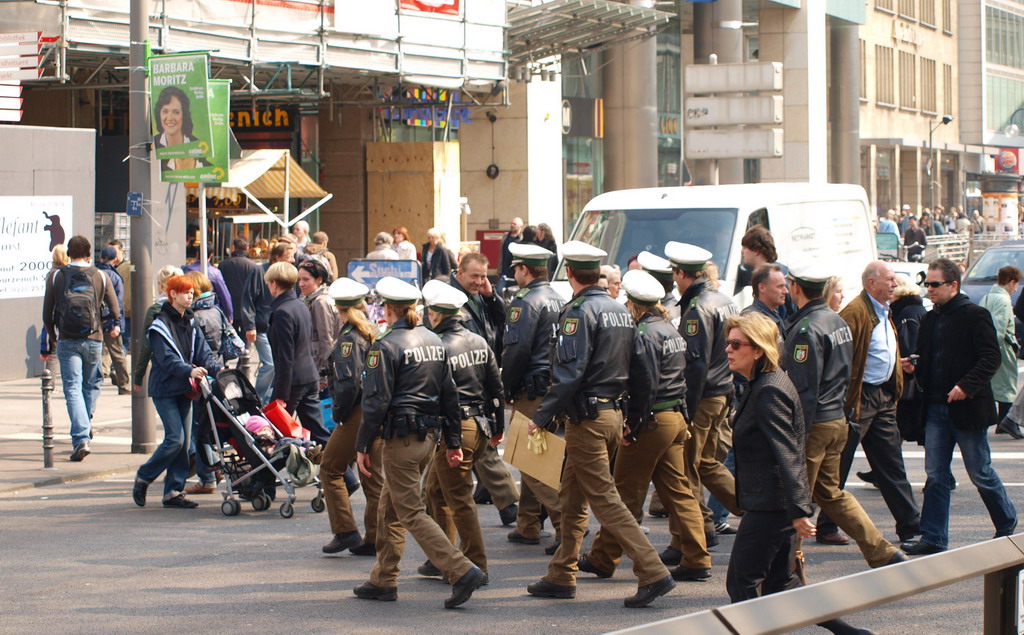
[(172, 117)]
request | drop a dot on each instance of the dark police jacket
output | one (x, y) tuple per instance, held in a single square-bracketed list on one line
[(407, 373), (598, 353), (486, 319), (768, 438), (665, 353), (347, 361), (817, 356), (703, 327), (476, 375), (529, 329), (290, 335)]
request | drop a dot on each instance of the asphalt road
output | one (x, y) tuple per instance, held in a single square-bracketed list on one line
[(83, 558)]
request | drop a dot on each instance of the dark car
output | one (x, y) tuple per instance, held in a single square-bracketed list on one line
[(984, 273)]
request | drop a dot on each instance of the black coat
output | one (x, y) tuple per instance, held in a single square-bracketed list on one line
[(484, 315), (440, 264), (769, 441), (961, 336), (236, 271), (907, 313), (290, 335)]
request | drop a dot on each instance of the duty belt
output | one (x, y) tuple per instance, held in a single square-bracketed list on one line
[(475, 410), (607, 403), (664, 406)]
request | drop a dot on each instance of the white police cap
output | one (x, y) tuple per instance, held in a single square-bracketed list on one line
[(580, 255), (686, 256), (443, 297), (348, 292), (654, 264), (529, 254), (395, 291), (810, 272), (642, 287)]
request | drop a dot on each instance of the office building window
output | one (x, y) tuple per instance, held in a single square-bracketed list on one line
[(907, 8), (928, 12), (863, 70), (1004, 97), (947, 89), (885, 5), (947, 16), (928, 86), (884, 76), (908, 80), (1004, 37)]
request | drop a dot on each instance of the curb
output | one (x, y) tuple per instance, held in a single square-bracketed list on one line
[(70, 478)]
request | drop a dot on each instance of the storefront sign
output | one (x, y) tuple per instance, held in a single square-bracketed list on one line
[(429, 108), (267, 119), (182, 135), (30, 227), (668, 126), (583, 117), (1008, 160)]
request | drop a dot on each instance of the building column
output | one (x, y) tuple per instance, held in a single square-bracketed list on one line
[(844, 101), (872, 182), (631, 113)]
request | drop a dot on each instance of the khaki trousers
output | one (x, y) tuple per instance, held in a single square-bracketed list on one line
[(824, 453), (401, 510), (703, 468), (115, 361), (657, 455), (533, 493), (338, 455), (450, 495), (494, 475), (587, 478)]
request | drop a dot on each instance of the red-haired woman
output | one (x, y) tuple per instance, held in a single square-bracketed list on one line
[(406, 250), (180, 355)]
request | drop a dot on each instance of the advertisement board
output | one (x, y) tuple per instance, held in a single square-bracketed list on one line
[(179, 95), (30, 227)]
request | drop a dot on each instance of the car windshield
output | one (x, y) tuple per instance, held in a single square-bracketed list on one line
[(624, 234), (988, 266)]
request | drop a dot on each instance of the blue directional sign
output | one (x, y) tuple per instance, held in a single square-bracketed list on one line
[(369, 272), (134, 204)]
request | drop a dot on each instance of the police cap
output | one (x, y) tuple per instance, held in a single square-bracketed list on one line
[(810, 273), (348, 292), (642, 288), (687, 257), (655, 265), (580, 255), (529, 255), (441, 297), (395, 291)]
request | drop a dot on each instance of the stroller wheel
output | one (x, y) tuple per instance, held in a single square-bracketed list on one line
[(261, 502), (230, 507), (318, 504), (287, 511)]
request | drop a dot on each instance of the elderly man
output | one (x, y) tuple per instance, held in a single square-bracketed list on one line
[(300, 230), (611, 279)]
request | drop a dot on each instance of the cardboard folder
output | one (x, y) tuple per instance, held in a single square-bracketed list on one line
[(545, 467)]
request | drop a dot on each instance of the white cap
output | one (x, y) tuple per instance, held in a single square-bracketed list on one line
[(642, 287), (906, 206), (443, 297), (580, 255), (810, 272), (529, 254), (348, 292), (686, 256), (653, 263), (395, 291)]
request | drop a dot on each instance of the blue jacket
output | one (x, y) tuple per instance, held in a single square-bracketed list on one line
[(219, 287), (169, 374), (290, 335), (118, 283)]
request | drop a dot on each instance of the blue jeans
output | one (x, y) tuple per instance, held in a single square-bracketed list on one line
[(718, 511), (172, 454), (207, 475), (265, 375), (940, 437), (80, 373)]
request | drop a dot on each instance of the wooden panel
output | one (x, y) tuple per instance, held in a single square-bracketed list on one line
[(400, 199), (400, 157)]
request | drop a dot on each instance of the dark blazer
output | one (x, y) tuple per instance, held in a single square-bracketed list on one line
[(290, 335), (769, 441), (440, 265), (486, 319), (969, 359), (236, 271)]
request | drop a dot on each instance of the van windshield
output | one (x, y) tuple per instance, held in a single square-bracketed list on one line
[(624, 234)]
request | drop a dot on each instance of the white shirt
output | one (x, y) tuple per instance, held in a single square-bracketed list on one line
[(406, 250), (881, 360)]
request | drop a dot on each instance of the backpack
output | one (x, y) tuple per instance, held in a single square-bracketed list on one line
[(210, 324), (78, 309)]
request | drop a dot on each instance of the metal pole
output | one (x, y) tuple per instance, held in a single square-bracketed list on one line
[(47, 388), (931, 169), (143, 424), (204, 252)]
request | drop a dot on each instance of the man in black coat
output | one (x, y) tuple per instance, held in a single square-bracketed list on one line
[(485, 311), (236, 271), (296, 380), (957, 355)]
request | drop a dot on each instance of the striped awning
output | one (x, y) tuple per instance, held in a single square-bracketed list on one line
[(262, 173)]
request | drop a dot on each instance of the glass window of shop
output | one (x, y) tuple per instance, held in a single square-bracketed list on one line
[(582, 152), (1004, 97), (884, 160), (671, 169)]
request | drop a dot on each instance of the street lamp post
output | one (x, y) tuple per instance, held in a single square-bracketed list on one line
[(1012, 129), (946, 119)]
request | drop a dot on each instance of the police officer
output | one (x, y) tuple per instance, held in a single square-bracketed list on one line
[(655, 447), (409, 398), (598, 358), (708, 382), (526, 374), (661, 269), (346, 362), (476, 375), (817, 356)]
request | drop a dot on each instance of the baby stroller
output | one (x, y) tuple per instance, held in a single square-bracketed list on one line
[(250, 472)]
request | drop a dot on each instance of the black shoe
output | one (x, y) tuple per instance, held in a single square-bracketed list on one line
[(725, 529), (428, 569), (369, 591), (897, 558), (952, 483), (661, 513), (834, 538), (139, 492), (671, 557), (1012, 428), (463, 589), (544, 589), (81, 451), (1009, 532), (341, 542), (711, 538), (480, 495), (867, 477), (515, 536), (920, 548), (509, 514), (686, 574), (647, 594), (585, 565), (181, 502), (553, 547), (364, 549)]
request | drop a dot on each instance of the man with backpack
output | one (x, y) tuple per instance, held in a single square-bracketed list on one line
[(72, 306)]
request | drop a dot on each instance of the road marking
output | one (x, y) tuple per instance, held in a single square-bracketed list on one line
[(963, 483), (28, 436), (919, 454)]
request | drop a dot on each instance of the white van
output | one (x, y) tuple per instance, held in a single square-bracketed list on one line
[(829, 222)]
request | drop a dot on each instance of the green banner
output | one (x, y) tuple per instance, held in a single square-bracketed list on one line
[(182, 131), (220, 133)]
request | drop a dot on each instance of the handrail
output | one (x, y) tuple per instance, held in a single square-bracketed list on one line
[(998, 560)]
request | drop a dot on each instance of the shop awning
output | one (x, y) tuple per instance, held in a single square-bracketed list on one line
[(574, 27)]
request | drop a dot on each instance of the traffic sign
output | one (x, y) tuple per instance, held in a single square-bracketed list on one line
[(28, 73), (732, 78), (27, 61), (10, 90), (25, 48), (369, 272), (733, 110), (734, 143), (20, 37)]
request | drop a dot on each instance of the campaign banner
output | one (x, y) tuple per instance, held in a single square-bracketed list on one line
[(220, 133), (179, 95), (30, 227)]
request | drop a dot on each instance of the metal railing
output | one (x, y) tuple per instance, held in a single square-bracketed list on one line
[(998, 560)]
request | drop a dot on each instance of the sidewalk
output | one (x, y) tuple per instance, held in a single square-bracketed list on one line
[(21, 437)]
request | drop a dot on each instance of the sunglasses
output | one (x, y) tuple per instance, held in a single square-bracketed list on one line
[(935, 285), (737, 344)]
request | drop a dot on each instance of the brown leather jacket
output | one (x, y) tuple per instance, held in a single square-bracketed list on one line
[(860, 315)]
